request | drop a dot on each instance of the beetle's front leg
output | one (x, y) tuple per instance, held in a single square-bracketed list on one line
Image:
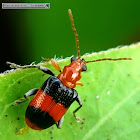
[(42, 68)]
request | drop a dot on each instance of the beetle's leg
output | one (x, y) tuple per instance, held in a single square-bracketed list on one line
[(79, 83), (42, 68), (55, 64), (26, 95), (60, 122), (23, 130), (80, 103), (31, 92)]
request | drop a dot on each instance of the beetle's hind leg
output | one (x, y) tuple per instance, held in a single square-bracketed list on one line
[(26, 96), (23, 130), (60, 122)]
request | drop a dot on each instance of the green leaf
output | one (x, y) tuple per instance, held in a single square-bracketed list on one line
[(110, 95)]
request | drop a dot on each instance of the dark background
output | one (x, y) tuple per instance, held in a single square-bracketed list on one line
[(29, 34)]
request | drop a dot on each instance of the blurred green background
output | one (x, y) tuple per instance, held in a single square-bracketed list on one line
[(29, 34)]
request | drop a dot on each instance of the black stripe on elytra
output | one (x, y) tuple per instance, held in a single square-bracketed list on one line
[(41, 118), (60, 93)]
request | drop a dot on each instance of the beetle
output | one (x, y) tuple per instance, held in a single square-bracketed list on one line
[(54, 97)]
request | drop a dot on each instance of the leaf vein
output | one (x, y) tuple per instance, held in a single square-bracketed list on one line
[(111, 112)]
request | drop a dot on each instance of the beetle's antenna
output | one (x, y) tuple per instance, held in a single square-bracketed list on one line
[(75, 32), (108, 59)]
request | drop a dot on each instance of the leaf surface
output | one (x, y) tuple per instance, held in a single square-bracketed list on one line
[(110, 95)]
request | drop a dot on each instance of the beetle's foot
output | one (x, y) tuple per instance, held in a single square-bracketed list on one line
[(45, 59), (17, 102), (23, 130), (12, 65), (78, 119)]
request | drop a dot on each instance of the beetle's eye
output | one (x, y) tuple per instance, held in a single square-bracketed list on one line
[(84, 68), (73, 59)]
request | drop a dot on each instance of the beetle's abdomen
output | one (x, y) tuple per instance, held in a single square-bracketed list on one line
[(38, 119)]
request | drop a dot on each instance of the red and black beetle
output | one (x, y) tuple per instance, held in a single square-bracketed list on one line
[(55, 96)]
